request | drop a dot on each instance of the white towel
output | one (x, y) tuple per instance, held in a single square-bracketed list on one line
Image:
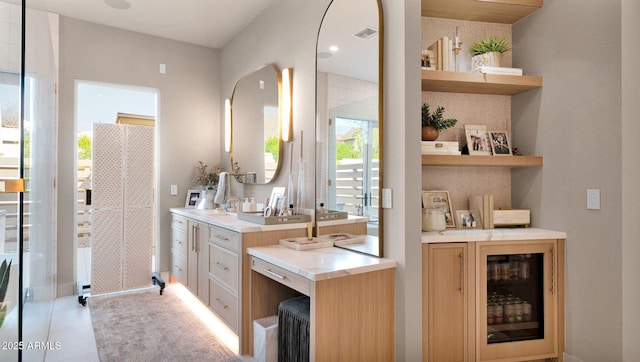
[(224, 188)]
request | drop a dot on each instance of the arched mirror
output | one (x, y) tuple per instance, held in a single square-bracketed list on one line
[(256, 146), (349, 119)]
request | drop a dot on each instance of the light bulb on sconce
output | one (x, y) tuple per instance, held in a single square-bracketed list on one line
[(287, 95), (227, 125)]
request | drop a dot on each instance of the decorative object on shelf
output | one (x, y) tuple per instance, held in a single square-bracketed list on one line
[(477, 140), (427, 60), (432, 123), (488, 52), (500, 145), (439, 200), (193, 196), (457, 45), (440, 148), (468, 219), (434, 220)]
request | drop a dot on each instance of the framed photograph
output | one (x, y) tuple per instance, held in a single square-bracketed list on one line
[(468, 219), (193, 196), (500, 144), (439, 200), (276, 192), (477, 140)]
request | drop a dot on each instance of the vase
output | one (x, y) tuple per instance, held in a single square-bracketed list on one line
[(430, 133), (491, 59)]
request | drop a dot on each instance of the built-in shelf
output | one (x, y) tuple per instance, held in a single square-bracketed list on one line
[(478, 83), (489, 11), (481, 161)]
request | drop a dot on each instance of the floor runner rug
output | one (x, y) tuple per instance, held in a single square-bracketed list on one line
[(147, 326)]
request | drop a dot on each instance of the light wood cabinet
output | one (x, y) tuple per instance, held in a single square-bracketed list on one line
[(461, 290), (447, 271)]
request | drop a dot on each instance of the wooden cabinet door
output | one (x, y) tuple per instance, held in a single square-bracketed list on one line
[(536, 335), (198, 260), (446, 273)]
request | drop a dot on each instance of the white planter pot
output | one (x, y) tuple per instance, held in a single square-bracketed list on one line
[(491, 59)]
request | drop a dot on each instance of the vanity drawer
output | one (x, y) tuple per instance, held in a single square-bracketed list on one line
[(179, 268), (224, 304), (179, 241), (223, 266), (179, 222), (282, 276), (225, 238)]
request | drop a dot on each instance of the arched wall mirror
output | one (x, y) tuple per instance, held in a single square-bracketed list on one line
[(256, 146), (349, 115)]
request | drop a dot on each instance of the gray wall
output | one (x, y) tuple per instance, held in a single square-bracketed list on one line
[(188, 122), (576, 122)]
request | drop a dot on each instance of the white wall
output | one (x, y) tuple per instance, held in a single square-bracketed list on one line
[(188, 121), (574, 121)]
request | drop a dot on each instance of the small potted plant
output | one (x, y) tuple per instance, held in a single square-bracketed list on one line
[(432, 123), (488, 52)]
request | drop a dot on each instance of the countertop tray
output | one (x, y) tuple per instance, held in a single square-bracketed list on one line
[(259, 218), (331, 215)]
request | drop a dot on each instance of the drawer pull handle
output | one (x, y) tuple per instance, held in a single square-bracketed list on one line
[(271, 272), (222, 237), (221, 266), (223, 305)]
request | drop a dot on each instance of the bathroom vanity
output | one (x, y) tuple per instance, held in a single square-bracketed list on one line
[(495, 294), (208, 255), (351, 298)]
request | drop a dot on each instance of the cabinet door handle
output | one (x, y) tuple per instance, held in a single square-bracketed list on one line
[(462, 273), (223, 305), (193, 231), (271, 272), (196, 242), (221, 266), (222, 237), (553, 270)]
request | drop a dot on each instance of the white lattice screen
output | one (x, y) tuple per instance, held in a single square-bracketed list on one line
[(122, 244)]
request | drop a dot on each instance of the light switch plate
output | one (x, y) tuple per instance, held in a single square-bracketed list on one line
[(174, 190), (593, 199), (387, 198)]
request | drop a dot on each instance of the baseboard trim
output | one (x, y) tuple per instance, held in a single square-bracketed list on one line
[(570, 358)]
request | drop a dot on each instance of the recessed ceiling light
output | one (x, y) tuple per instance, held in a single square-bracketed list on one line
[(334, 48), (118, 4)]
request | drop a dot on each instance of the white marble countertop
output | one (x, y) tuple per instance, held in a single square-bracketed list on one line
[(472, 235), (231, 222), (320, 264)]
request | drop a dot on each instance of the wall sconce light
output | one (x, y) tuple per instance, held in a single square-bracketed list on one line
[(287, 94), (227, 125)]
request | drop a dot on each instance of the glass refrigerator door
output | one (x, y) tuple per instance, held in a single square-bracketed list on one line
[(518, 302)]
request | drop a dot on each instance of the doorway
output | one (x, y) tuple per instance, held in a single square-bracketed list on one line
[(108, 104)]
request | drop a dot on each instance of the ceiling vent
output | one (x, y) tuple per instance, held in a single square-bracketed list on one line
[(366, 33)]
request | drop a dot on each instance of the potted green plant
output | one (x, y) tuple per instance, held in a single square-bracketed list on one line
[(488, 52), (5, 270), (432, 123)]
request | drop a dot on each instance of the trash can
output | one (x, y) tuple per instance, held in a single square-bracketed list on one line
[(265, 339)]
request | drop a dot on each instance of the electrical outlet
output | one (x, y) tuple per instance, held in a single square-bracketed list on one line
[(174, 190)]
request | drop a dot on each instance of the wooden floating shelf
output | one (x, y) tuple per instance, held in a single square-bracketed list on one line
[(478, 83), (481, 161), (488, 11)]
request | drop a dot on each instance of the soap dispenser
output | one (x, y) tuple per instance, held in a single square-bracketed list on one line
[(246, 207), (253, 207)]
